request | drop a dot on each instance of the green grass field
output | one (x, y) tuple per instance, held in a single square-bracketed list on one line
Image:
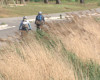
[(33, 7)]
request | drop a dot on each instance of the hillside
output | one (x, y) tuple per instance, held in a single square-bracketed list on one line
[(67, 50)]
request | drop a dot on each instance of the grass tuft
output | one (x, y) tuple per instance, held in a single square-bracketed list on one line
[(45, 39)]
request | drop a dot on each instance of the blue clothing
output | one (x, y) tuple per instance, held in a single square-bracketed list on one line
[(40, 16), (28, 23)]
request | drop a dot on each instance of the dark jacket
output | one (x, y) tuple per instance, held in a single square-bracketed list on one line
[(40, 15)]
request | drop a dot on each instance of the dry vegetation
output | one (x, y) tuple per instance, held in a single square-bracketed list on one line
[(60, 53), (81, 36), (29, 60)]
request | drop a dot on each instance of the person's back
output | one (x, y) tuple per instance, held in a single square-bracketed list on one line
[(39, 20), (25, 23), (39, 17)]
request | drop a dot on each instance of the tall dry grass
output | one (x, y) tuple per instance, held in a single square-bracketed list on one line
[(28, 59), (60, 53), (81, 36)]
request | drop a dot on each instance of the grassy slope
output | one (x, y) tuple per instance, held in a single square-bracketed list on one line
[(80, 36), (32, 8), (42, 56), (31, 60)]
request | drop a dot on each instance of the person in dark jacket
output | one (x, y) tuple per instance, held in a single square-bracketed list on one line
[(39, 20)]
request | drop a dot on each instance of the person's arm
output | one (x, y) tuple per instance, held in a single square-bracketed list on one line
[(29, 25), (35, 19), (43, 18), (20, 27)]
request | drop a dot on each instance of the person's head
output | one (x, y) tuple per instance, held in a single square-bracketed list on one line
[(39, 13), (25, 18)]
